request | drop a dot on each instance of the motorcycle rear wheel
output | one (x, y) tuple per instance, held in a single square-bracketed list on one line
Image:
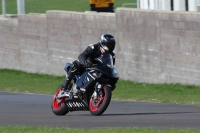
[(58, 105), (99, 105)]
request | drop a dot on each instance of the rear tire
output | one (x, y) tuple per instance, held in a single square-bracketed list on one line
[(58, 106), (98, 106)]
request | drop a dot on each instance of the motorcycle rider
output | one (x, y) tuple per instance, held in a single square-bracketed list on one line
[(87, 58)]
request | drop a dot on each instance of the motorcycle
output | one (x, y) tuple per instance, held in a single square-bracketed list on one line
[(90, 90)]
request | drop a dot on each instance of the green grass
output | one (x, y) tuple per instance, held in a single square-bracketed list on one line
[(23, 129), (41, 6), (18, 81), (168, 93)]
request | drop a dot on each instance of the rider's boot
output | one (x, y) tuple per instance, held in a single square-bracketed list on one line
[(66, 84), (70, 76)]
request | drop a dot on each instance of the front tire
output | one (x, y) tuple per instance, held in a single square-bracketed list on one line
[(99, 105), (58, 105)]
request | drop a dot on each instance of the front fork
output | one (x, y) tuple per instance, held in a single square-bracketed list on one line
[(96, 90)]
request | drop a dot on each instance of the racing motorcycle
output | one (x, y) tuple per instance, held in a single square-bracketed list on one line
[(90, 90)]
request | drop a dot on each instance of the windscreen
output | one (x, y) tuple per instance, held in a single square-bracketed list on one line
[(106, 60), (106, 66)]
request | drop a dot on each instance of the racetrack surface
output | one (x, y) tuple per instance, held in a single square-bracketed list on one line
[(35, 110)]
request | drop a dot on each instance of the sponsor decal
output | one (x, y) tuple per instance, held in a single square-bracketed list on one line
[(82, 89), (99, 86), (101, 1), (75, 104)]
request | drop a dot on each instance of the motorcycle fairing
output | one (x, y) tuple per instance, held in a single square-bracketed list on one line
[(86, 81), (74, 103), (67, 66)]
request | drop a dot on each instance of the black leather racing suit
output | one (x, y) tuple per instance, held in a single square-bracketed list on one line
[(92, 51)]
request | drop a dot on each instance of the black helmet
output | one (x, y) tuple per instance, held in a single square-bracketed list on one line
[(107, 42)]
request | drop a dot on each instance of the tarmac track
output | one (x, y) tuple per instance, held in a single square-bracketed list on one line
[(35, 110)]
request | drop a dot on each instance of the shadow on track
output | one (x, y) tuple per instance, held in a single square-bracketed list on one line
[(150, 113)]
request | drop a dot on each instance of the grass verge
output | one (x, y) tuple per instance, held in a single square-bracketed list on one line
[(41, 6), (19, 81), (23, 129)]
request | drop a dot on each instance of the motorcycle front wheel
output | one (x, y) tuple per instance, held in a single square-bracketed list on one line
[(58, 104), (99, 105)]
